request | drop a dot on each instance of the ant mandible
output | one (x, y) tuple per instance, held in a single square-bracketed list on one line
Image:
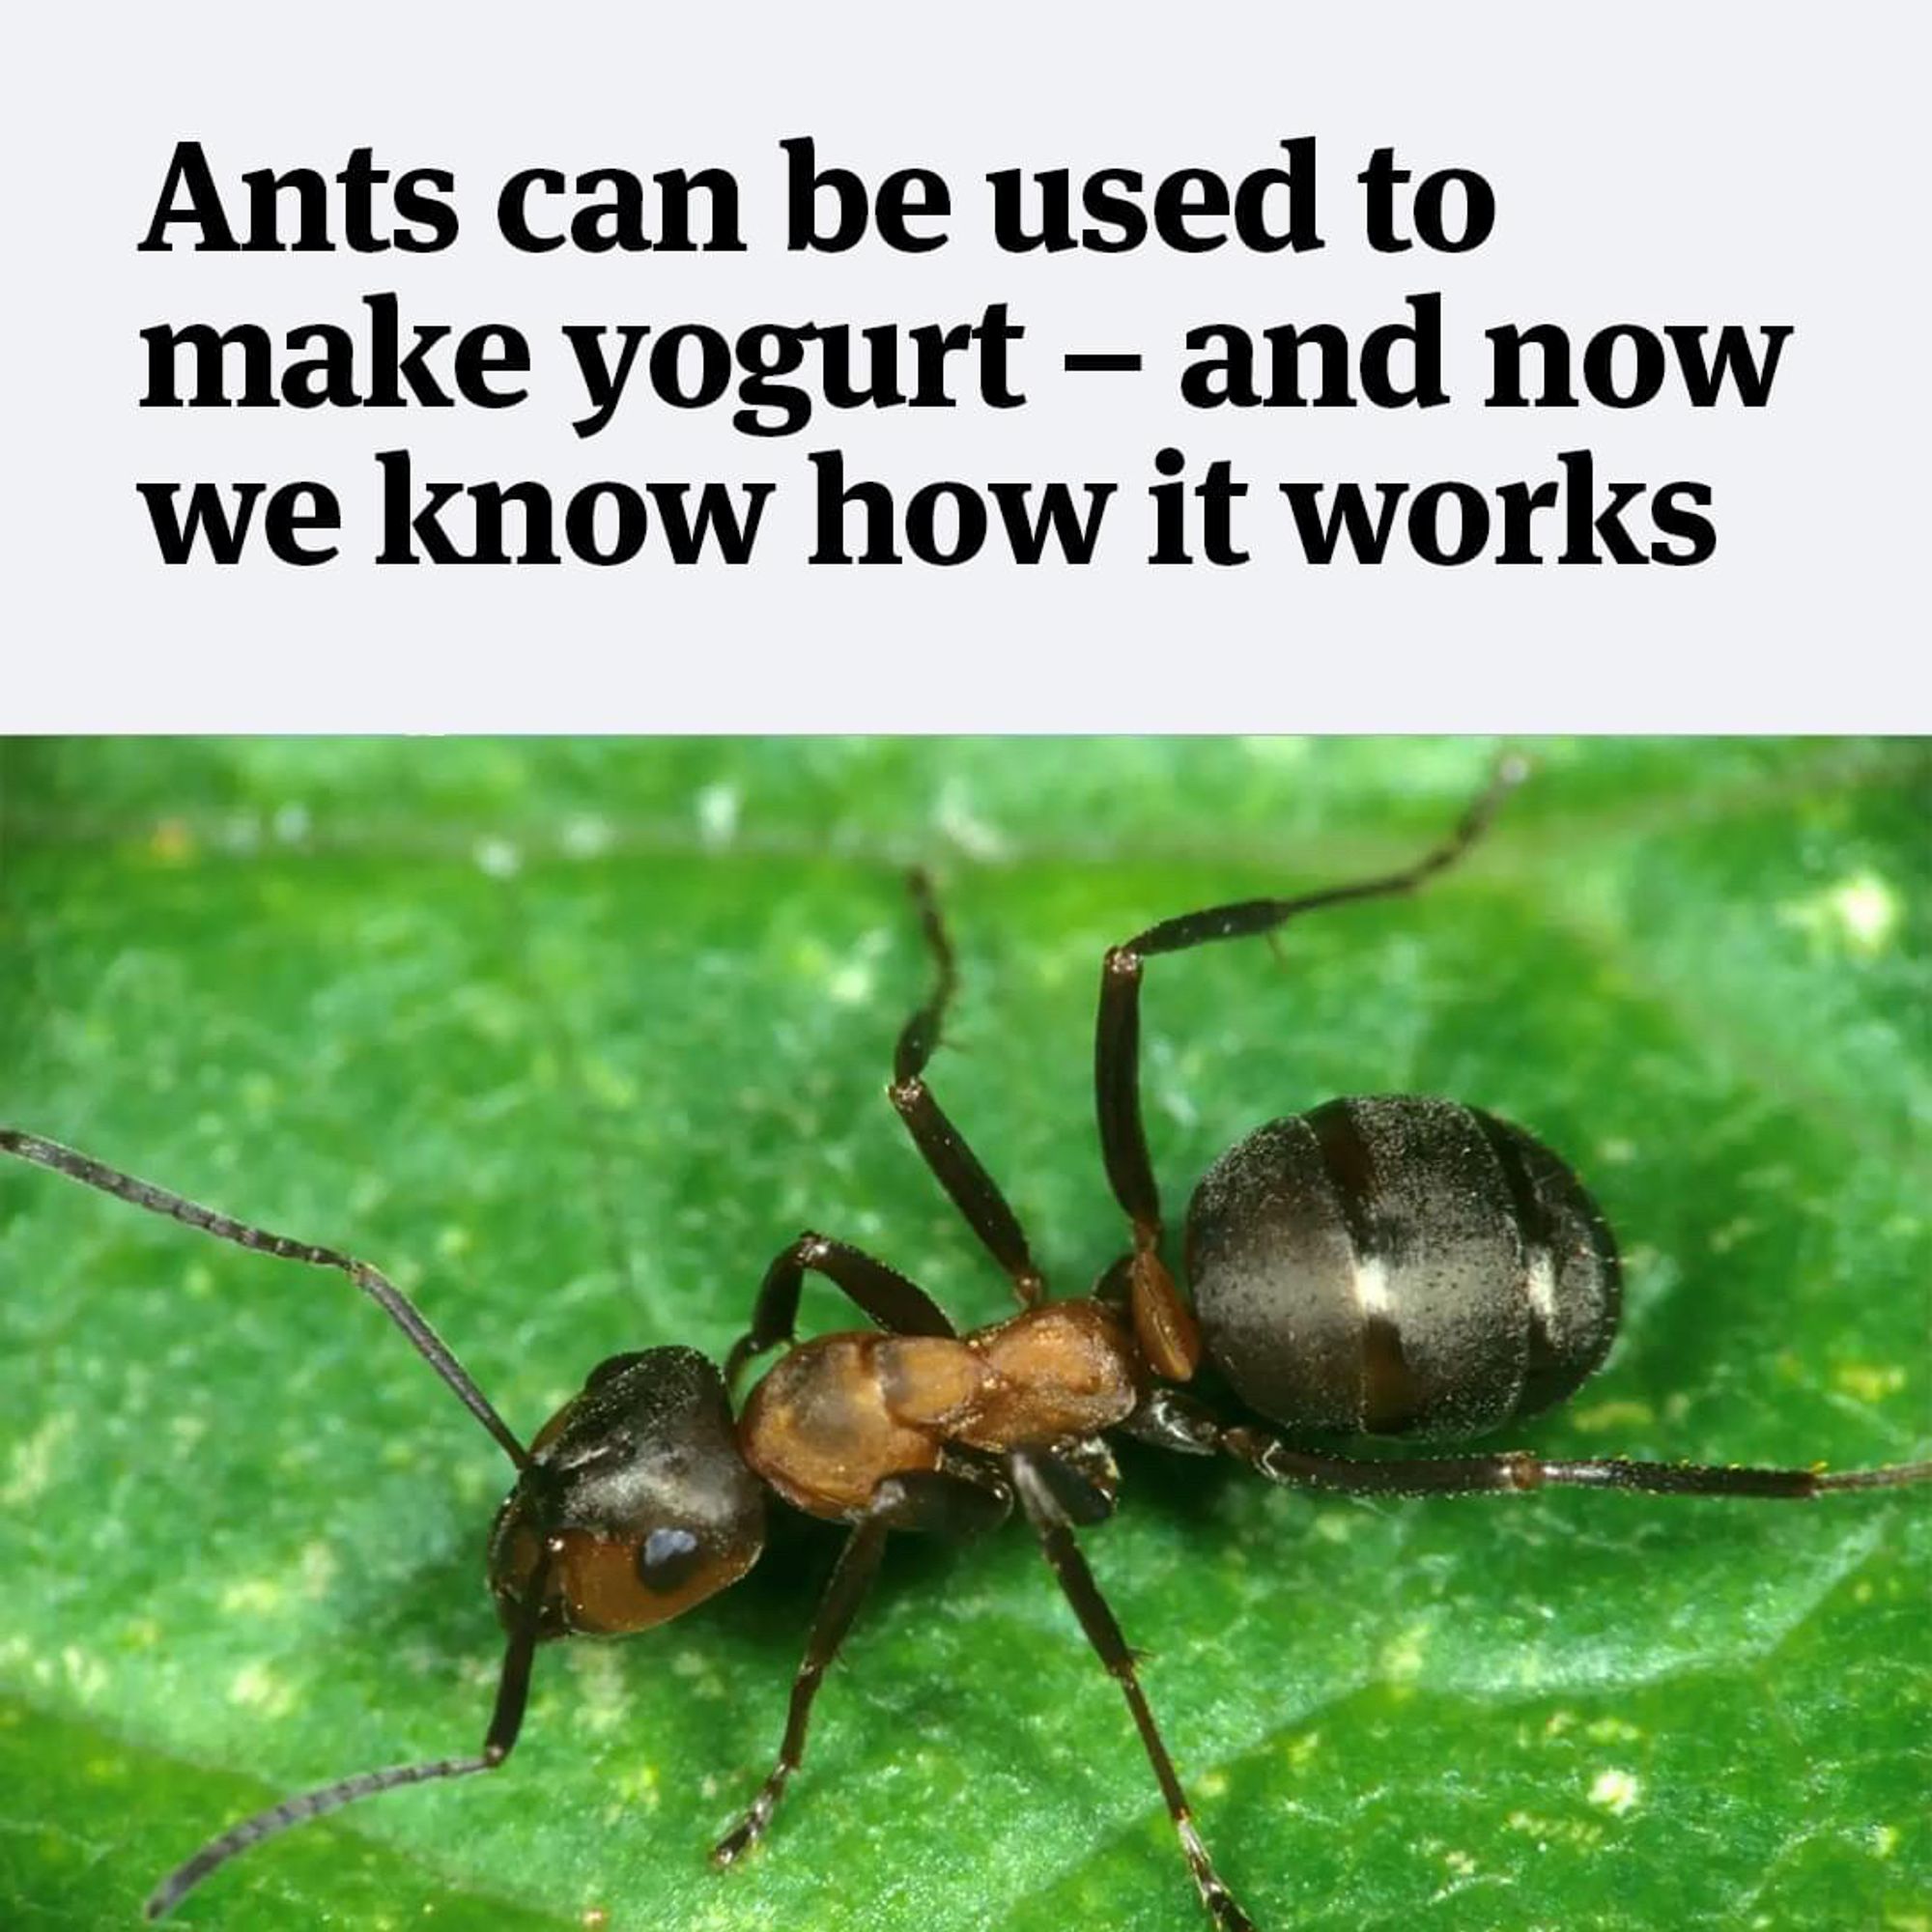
[(1391, 1266)]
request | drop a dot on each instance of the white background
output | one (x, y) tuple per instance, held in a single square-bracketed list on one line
[(1651, 163)]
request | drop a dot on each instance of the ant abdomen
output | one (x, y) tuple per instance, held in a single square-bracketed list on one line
[(1402, 1266)]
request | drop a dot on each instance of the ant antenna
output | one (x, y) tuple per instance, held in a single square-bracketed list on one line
[(920, 1036), (513, 1690), (384, 1294)]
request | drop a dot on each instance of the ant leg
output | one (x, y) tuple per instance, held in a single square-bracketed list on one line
[(1164, 1321), (513, 1688), (1117, 1033), (1041, 1496), (384, 1292), (938, 1503), (957, 1501), (1171, 1420), (852, 1577), (955, 1165), (1517, 1472), (882, 1293), (1174, 1421)]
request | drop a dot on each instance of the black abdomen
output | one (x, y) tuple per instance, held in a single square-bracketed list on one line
[(1400, 1267)]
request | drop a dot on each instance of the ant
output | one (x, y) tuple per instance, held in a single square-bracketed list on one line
[(1385, 1266)]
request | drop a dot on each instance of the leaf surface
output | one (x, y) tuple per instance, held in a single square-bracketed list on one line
[(570, 1037)]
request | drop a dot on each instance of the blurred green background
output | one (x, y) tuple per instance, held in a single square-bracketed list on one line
[(571, 1036)]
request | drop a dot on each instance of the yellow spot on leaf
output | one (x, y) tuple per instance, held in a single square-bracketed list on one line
[(497, 859), (31, 1465), (611, 1085), (1615, 1791), (254, 1596), (1858, 915), (316, 1569), (851, 985), (1402, 1660), (257, 1688), (1869, 1381), (598, 1671), (1603, 1416), (718, 807), (639, 1786), (84, 1674), (1551, 1831), (1611, 1731), (171, 842), (587, 838)]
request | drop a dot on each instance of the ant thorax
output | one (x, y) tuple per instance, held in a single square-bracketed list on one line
[(839, 1415)]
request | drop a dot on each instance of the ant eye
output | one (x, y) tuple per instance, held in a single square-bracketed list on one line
[(667, 1558)]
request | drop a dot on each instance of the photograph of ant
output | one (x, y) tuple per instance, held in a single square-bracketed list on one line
[(1387, 1266)]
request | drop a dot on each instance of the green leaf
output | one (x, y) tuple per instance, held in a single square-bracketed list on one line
[(572, 1036)]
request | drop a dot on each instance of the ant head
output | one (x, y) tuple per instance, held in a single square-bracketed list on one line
[(635, 1503)]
